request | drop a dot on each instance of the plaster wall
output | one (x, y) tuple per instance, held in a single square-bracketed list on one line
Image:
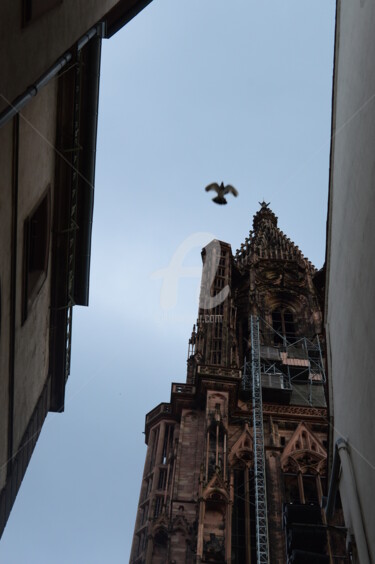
[(36, 173), (350, 304), (26, 52), (6, 140)]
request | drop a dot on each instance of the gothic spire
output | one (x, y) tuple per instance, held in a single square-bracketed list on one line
[(264, 215), (267, 241)]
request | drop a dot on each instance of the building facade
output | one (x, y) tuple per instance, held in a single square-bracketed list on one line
[(49, 87), (350, 263), (236, 463)]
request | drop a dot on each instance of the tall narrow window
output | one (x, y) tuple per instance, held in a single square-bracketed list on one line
[(290, 331), (310, 489), (216, 351), (158, 505), (162, 479), (144, 514), (167, 443), (155, 438), (277, 326), (218, 331), (140, 542), (283, 325), (292, 494), (35, 253)]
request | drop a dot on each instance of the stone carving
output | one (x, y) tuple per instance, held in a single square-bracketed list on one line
[(242, 450), (294, 410), (214, 548), (304, 452)]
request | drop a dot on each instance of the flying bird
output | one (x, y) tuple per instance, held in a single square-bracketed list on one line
[(221, 192)]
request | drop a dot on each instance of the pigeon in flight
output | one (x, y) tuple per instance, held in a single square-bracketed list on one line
[(221, 192)]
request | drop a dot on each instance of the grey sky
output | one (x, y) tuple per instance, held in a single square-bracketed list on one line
[(192, 92)]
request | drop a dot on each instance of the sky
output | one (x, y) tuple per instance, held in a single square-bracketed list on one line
[(192, 92)]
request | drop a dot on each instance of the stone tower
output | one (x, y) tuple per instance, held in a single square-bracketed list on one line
[(232, 476)]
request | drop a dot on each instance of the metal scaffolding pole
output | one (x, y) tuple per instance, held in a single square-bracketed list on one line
[(259, 463)]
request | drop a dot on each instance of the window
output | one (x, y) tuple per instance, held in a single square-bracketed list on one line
[(216, 358), (142, 542), (216, 351), (35, 253), (160, 540), (158, 505), (218, 310), (291, 489), (148, 487), (167, 443), (310, 489), (140, 539), (32, 9), (283, 324), (155, 439), (219, 283), (218, 331), (144, 514), (162, 479)]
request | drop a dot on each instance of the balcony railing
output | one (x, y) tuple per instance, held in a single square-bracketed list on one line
[(183, 389), (157, 411), (219, 371)]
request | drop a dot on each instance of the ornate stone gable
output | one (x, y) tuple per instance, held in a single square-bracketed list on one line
[(216, 489), (161, 524), (242, 451), (304, 452)]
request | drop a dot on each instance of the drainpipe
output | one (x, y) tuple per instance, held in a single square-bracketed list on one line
[(21, 100), (333, 483), (342, 464)]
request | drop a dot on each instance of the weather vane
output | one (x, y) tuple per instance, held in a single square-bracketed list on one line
[(264, 205)]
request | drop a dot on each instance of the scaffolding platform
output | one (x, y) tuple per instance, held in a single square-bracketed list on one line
[(305, 533), (291, 373), (304, 557), (301, 513)]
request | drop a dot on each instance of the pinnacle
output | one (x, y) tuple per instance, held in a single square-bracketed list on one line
[(267, 240), (265, 214)]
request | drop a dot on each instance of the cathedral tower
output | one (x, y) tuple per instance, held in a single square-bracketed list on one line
[(235, 468)]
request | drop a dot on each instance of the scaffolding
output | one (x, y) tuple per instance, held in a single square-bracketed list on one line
[(258, 438), (291, 368), (282, 367)]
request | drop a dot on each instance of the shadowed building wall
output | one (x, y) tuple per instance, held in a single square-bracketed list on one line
[(350, 259), (49, 87)]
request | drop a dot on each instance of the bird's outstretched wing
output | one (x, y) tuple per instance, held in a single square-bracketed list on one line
[(213, 186), (230, 190)]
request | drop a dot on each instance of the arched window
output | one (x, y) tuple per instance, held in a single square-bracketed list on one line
[(159, 553), (283, 324)]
